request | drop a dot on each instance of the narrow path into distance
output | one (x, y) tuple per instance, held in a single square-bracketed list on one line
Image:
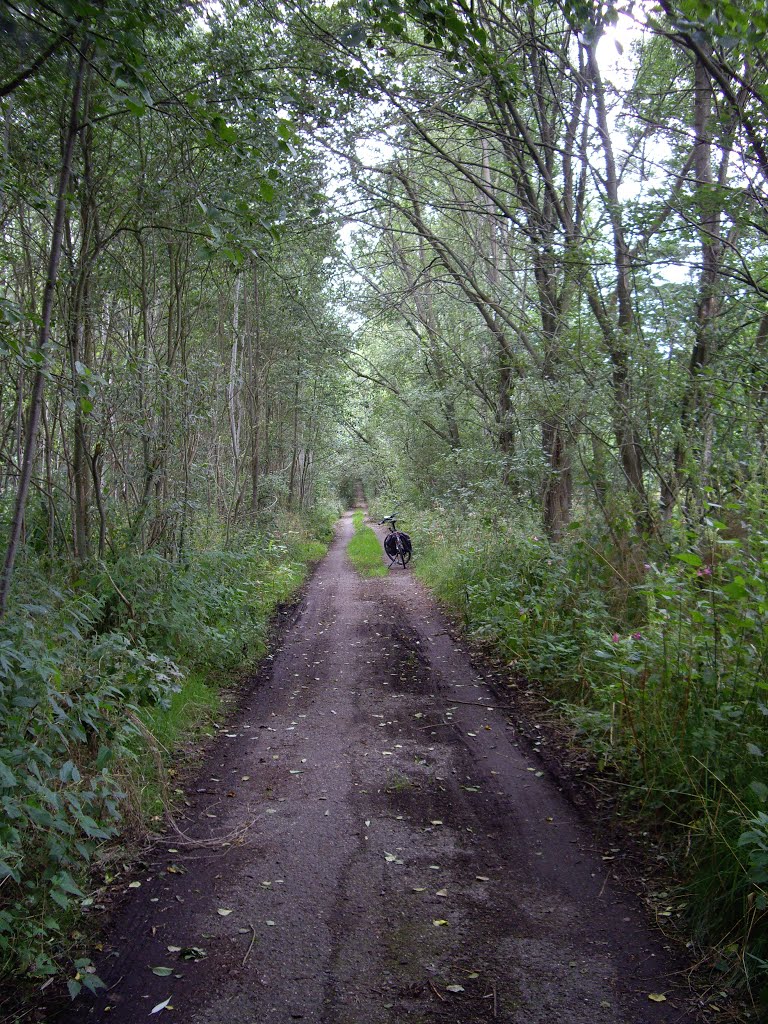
[(397, 857)]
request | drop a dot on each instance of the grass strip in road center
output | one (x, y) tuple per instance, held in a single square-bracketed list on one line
[(364, 550)]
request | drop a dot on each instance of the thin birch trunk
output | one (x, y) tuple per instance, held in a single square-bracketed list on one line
[(49, 294)]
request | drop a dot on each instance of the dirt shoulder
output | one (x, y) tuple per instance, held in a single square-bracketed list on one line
[(386, 850)]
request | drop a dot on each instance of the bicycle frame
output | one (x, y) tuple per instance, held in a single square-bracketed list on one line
[(402, 553)]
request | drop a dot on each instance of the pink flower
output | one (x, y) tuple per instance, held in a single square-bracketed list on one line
[(706, 571), (615, 638), (637, 636)]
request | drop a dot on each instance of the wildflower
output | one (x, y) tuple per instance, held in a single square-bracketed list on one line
[(615, 638), (647, 566), (705, 571), (637, 636)]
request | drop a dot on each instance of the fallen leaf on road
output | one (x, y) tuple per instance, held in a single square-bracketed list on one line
[(657, 997), (454, 988), (441, 892), (222, 912), (161, 1006), (162, 972), (482, 878), (134, 885), (173, 949), (192, 953), (437, 821), (174, 869), (439, 922), (271, 924), (419, 888)]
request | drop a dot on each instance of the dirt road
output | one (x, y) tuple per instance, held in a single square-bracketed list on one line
[(397, 857)]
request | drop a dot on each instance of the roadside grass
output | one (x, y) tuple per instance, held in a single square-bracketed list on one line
[(364, 550), (116, 683), (664, 680), (171, 733), (173, 736)]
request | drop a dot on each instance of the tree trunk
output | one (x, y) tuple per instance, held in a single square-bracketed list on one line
[(618, 335), (690, 458), (36, 400)]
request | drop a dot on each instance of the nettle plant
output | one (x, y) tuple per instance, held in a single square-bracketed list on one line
[(688, 701), (67, 701)]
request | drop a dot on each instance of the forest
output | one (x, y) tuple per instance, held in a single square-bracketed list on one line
[(503, 267)]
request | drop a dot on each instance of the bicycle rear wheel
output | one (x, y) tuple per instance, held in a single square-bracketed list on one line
[(403, 555)]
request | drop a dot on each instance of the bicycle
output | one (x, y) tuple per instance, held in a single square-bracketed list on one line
[(397, 545)]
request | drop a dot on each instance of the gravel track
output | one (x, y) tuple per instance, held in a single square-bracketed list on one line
[(395, 856)]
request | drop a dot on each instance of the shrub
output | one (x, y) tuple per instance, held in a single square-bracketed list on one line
[(85, 670), (662, 666)]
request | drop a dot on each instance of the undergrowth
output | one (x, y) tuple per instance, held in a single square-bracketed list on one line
[(662, 666), (364, 549), (101, 677)]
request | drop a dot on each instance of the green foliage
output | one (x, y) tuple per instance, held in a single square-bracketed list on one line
[(85, 671), (187, 716), (364, 550), (665, 677), (67, 702)]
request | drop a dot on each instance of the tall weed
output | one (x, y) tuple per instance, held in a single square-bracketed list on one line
[(663, 667), (85, 668)]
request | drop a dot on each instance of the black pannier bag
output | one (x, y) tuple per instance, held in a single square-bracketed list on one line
[(390, 545)]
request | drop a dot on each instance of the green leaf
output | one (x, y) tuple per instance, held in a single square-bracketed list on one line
[(736, 589), (689, 559), (92, 981), (224, 131), (69, 772), (135, 106), (162, 972), (66, 882)]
